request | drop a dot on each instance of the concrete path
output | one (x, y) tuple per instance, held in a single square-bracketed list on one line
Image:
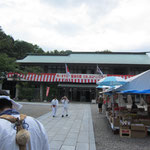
[(74, 132)]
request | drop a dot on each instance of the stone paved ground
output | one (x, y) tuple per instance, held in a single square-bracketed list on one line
[(35, 109), (74, 132), (106, 140)]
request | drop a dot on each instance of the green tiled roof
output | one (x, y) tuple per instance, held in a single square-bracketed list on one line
[(91, 58)]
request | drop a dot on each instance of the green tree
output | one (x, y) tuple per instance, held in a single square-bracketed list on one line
[(7, 64), (2, 34), (22, 48), (104, 51), (56, 52), (38, 50), (6, 43)]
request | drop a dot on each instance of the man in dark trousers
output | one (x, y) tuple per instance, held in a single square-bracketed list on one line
[(100, 102)]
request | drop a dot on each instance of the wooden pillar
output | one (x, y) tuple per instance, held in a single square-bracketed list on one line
[(17, 91), (97, 93), (41, 92), (0, 86)]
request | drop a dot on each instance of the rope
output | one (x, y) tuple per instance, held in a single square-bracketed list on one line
[(22, 135)]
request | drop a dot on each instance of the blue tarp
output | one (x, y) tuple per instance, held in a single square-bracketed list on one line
[(136, 91), (144, 91)]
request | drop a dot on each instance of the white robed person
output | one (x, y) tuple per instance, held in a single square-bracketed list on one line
[(54, 105), (18, 131), (65, 102)]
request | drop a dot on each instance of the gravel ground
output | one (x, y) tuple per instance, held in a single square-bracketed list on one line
[(106, 140)]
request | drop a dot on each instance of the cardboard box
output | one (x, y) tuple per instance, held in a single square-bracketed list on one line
[(125, 133), (138, 127), (116, 122), (138, 131), (146, 122), (124, 127), (138, 134)]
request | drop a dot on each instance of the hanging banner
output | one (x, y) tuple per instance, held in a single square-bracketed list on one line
[(47, 91), (61, 77)]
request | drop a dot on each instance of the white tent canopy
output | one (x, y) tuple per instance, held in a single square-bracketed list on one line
[(138, 82)]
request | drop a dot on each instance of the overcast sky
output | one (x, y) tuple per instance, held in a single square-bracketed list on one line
[(79, 25)]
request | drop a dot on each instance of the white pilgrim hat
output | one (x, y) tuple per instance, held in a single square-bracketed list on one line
[(15, 105)]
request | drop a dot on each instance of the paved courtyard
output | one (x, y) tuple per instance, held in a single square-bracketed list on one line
[(74, 132)]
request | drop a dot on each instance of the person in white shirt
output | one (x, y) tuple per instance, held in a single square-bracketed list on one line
[(54, 105), (36, 137), (65, 102)]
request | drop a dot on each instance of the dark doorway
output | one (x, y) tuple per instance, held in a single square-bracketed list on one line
[(87, 95)]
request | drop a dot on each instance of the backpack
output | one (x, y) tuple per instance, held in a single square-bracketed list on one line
[(22, 135)]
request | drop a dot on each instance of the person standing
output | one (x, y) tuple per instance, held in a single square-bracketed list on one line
[(104, 105), (100, 102), (13, 124), (65, 102), (54, 104)]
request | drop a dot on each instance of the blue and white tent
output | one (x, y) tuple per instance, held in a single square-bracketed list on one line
[(139, 82), (111, 81), (102, 87)]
